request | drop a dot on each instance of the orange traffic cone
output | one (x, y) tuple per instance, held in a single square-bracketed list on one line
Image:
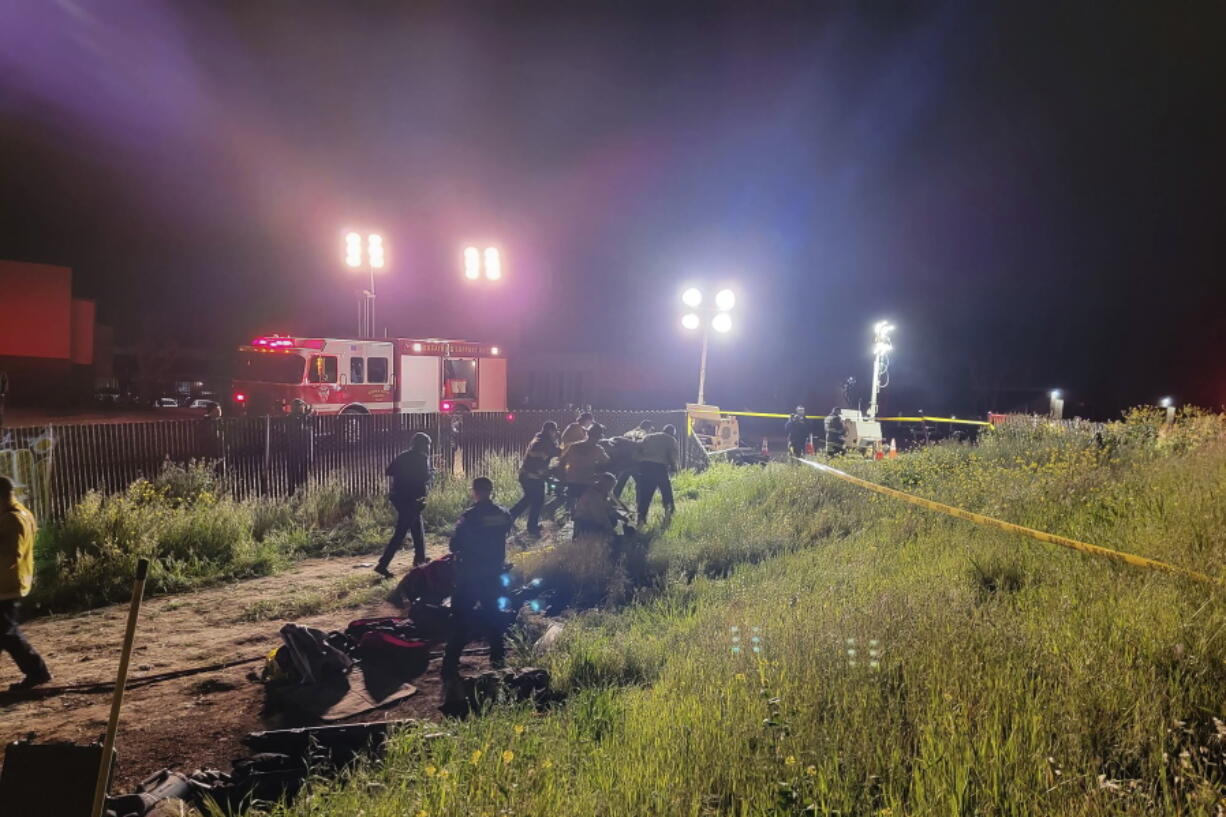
[(766, 449), (893, 449), (809, 445)]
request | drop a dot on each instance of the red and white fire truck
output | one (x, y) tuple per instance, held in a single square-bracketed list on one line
[(277, 374)]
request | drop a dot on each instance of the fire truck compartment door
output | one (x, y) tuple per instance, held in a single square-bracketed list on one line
[(492, 384), (421, 381)]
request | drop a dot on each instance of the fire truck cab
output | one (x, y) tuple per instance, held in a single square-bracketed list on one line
[(277, 374)]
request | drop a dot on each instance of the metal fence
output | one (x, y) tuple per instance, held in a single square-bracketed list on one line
[(55, 466)]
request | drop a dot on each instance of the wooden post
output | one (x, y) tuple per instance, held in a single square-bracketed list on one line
[(112, 726)]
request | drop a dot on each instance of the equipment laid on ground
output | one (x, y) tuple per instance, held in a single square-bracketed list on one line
[(52, 778)]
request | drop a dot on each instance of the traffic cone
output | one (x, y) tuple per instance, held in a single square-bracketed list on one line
[(893, 449), (766, 449), (809, 445)]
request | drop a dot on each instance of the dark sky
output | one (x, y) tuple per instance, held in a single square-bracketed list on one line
[(1032, 192)]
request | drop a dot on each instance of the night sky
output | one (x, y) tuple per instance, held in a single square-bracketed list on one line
[(1032, 192)]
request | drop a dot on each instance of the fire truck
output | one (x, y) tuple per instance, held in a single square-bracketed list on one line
[(277, 374)]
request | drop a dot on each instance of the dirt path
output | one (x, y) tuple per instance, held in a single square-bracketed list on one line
[(195, 722)]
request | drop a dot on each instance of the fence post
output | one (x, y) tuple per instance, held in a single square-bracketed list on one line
[(264, 474)]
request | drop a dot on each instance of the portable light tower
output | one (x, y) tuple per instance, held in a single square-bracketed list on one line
[(881, 363)]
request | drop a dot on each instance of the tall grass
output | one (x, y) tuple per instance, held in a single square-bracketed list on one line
[(818, 650), (194, 534)]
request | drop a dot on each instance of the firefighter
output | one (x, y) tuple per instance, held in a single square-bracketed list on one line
[(577, 431), (17, 532), (532, 473), (411, 475), (659, 456), (835, 433), (797, 429), (480, 547), (581, 462), (621, 453), (598, 512)]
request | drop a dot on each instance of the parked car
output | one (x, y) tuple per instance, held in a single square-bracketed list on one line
[(166, 402), (204, 403)]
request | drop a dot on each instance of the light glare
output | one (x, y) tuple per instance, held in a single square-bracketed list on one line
[(493, 263), (721, 322), (690, 321), (691, 298), (472, 263), (725, 299)]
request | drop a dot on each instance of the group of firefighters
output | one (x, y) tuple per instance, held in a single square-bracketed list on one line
[(798, 430), (588, 471)]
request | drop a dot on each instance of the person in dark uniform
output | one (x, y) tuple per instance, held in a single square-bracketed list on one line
[(798, 431), (532, 473), (659, 456), (480, 547), (835, 433), (411, 475)]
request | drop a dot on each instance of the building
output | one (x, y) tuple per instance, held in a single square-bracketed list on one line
[(48, 338)]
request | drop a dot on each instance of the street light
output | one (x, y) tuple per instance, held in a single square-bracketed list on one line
[(374, 258), (477, 261), (1056, 408), (716, 318), (881, 362), (1168, 403)]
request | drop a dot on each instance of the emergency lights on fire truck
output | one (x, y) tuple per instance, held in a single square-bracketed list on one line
[(494, 351), (447, 405), (476, 260)]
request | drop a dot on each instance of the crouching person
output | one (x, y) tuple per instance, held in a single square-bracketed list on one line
[(17, 531), (480, 547), (598, 512)]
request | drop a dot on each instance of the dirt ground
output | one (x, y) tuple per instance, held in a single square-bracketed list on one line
[(196, 721)]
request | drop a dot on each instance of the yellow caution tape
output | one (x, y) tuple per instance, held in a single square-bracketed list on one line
[(890, 419), (980, 519)]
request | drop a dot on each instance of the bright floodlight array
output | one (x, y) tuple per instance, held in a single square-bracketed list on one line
[(881, 338), (374, 251), (476, 261), (721, 321)]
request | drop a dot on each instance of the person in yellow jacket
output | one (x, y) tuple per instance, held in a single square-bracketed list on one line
[(17, 530), (581, 463)]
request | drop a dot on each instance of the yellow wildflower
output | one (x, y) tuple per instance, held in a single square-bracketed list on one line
[(443, 772), (791, 760), (507, 756), (475, 757), (811, 771), (547, 764), (431, 770), (519, 728)]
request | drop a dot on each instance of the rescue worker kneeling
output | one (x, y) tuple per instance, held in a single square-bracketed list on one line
[(480, 547), (599, 512)]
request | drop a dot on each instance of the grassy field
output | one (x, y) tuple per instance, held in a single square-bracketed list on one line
[(792, 645)]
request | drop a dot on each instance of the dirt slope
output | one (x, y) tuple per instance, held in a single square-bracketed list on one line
[(196, 721)]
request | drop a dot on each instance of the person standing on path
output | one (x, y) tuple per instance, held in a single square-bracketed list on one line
[(411, 475), (835, 432), (480, 547), (532, 473), (17, 532), (659, 456)]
